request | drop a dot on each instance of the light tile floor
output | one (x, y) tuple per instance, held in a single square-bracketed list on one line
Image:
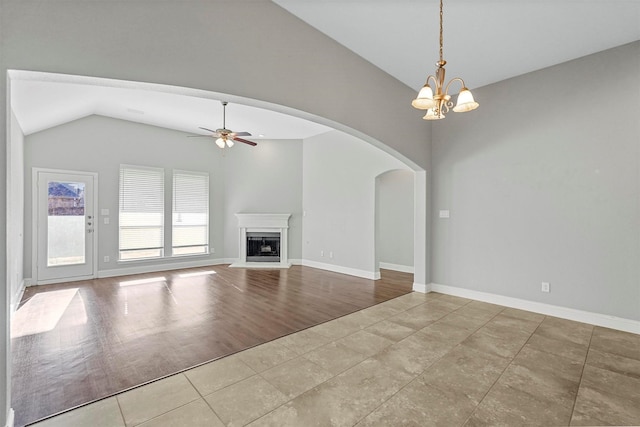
[(416, 360)]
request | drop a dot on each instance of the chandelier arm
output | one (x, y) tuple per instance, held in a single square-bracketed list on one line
[(448, 106), (432, 77), (442, 107), (446, 91)]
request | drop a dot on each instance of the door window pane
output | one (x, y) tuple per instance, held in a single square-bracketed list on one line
[(65, 223)]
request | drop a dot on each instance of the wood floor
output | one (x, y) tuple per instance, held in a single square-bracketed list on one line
[(77, 342)]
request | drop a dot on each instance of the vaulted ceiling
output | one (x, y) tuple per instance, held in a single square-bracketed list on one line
[(485, 41)]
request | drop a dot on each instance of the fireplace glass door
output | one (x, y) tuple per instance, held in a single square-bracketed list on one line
[(263, 247)]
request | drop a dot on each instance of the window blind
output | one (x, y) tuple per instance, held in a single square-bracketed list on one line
[(141, 220), (190, 224)]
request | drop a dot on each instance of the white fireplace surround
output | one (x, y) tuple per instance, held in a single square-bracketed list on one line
[(263, 222)]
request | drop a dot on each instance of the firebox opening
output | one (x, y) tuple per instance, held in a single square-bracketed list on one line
[(263, 247)]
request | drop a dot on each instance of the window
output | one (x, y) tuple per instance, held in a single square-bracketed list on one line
[(141, 233), (190, 225)]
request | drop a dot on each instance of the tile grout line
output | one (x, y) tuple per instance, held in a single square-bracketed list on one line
[(202, 397), (124, 422), (586, 356), (170, 410)]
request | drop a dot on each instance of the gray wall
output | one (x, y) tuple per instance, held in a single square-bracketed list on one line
[(394, 217), (100, 144), (266, 178), (175, 43), (543, 184), (339, 173)]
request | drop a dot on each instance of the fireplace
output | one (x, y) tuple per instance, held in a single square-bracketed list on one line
[(263, 240)]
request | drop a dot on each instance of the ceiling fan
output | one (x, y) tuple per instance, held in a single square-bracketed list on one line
[(225, 137)]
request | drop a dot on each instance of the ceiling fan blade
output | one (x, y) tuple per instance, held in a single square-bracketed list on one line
[(245, 141), (199, 136), (242, 134), (210, 130)]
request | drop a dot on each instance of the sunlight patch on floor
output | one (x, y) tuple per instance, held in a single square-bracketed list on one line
[(197, 273), (160, 279), (43, 312)]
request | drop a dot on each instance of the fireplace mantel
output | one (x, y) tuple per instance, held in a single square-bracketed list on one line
[(263, 222)]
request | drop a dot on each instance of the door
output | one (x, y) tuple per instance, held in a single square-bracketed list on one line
[(65, 226)]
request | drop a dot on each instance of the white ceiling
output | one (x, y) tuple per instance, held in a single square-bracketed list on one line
[(485, 41), (41, 101)]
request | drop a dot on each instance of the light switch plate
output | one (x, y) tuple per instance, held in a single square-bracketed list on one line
[(104, 211), (444, 214)]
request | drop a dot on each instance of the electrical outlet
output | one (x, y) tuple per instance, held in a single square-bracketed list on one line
[(321, 253), (545, 287), (331, 254), (106, 258)]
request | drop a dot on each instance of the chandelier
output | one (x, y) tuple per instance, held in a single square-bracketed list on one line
[(438, 104)]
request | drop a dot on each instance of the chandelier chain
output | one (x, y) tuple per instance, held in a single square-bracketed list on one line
[(441, 37)]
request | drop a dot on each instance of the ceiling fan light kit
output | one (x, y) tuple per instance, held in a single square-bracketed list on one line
[(439, 103)]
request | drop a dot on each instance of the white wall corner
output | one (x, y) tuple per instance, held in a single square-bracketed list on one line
[(295, 261), (10, 418), (597, 319), (421, 287)]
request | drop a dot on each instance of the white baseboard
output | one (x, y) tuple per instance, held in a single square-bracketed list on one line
[(10, 418), (160, 267), (396, 267), (15, 301), (372, 275), (273, 265), (295, 261), (598, 319), (421, 287)]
